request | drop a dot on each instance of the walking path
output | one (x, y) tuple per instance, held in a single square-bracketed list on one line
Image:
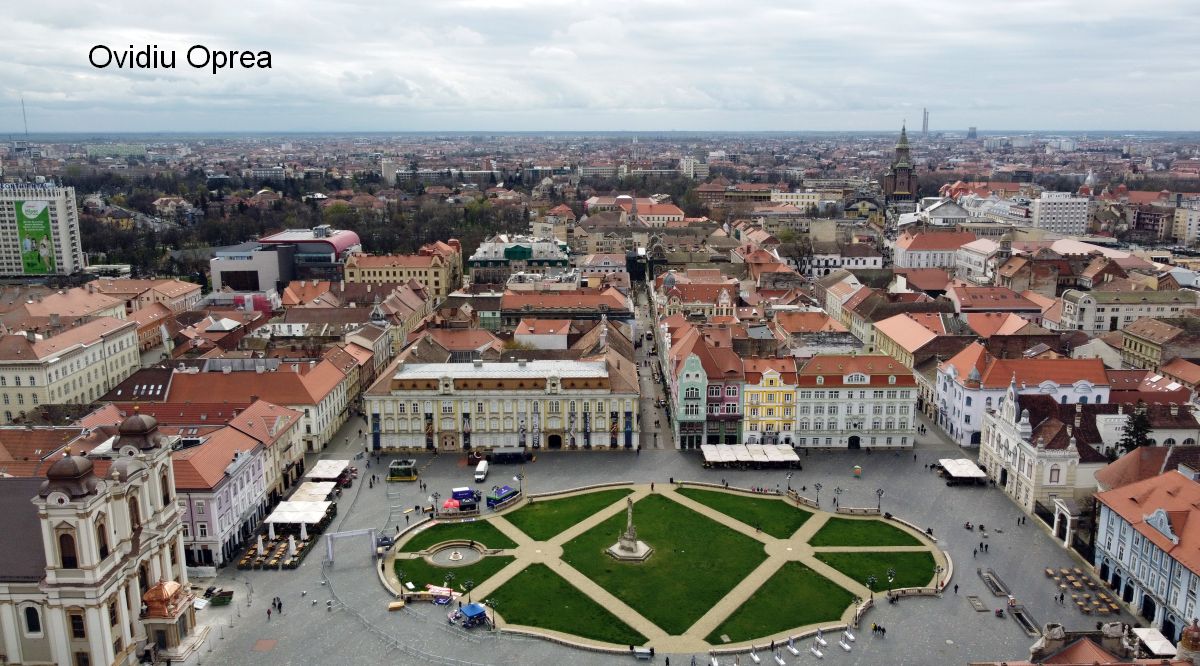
[(779, 552)]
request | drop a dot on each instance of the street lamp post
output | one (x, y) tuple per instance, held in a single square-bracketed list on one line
[(491, 603), (817, 487), (434, 497), (837, 493), (891, 574), (879, 499), (520, 479), (871, 580), (468, 586)]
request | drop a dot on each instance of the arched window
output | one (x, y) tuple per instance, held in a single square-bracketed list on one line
[(968, 401), (692, 393), (1083, 400), (987, 403), (1170, 441), (66, 551), (33, 620), (166, 490)]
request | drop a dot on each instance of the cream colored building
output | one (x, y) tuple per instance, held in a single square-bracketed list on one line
[(531, 404), (76, 366), (103, 537), (437, 265)]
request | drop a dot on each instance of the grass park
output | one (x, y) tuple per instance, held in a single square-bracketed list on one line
[(776, 518), (538, 597), (479, 531), (795, 596), (852, 532), (419, 571), (546, 519), (913, 568), (696, 562)]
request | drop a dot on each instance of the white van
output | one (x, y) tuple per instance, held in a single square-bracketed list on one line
[(481, 470)]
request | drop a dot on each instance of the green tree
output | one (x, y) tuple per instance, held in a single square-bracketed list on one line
[(1137, 430)]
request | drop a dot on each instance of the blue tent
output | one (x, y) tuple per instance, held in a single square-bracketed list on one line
[(474, 611)]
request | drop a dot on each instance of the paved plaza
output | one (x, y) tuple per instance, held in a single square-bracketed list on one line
[(357, 628)]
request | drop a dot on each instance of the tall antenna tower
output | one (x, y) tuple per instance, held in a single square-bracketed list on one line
[(925, 122)]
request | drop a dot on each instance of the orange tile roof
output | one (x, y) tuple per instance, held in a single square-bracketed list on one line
[(1182, 369), (1175, 494), (987, 324), (755, 367), (911, 332), (282, 386), (531, 326), (202, 467), (834, 368)]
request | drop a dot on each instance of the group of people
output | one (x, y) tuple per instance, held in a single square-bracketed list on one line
[(277, 606), (879, 630)]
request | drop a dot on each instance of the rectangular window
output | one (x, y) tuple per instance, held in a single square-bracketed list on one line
[(112, 612), (199, 507), (82, 659), (202, 530), (77, 626)]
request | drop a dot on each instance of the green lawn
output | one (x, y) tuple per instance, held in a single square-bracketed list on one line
[(538, 597), (775, 517), (795, 596), (871, 532), (545, 519), (481, 531), (419, 572), (913, 569), (696, 561)]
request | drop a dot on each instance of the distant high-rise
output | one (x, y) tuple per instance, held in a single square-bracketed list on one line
[(925, 123), (39, 230), (971, 133)]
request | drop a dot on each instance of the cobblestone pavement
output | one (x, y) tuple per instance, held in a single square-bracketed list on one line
[(360, 630)]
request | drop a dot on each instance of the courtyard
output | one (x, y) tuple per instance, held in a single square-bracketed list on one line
[(356, 626)]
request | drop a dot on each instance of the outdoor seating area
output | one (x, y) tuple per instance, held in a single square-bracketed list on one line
[(749, 456), (1079, 588), (292, 529)]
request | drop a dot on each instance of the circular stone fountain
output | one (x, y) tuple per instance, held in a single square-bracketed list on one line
[(454, 556)]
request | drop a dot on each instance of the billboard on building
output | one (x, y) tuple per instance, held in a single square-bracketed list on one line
[(33, 233)]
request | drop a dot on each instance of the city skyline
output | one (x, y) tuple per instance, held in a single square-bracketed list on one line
[(531, 66)]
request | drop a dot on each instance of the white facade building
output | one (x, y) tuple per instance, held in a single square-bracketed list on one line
[(1061, 212), (39, 230)]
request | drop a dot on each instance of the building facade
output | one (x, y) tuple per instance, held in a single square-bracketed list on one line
[(101, 556), (76, 366), (1061, 212), (529, 404), (39, 230), (1096, 312), (855, 401)]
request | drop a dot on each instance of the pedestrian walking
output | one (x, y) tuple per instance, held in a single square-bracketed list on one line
[(956, 588), (985, 547), (883, 631), (405, 522), (874, 628), (974, 552), (651, 486), (280, 606), (980, 545), (268, 615)]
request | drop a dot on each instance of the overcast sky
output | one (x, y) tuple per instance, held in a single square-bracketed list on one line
[(584, 65)]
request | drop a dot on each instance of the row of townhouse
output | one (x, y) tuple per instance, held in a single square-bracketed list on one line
[(828, 401)]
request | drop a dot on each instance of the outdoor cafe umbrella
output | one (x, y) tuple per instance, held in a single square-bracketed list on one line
[(291, 545), (303, 531), (451, 504), (271, 530), (260, 545)]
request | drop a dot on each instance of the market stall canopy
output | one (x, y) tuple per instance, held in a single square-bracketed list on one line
[(327, 470), (961, 468), (291, 513), (313, 491)]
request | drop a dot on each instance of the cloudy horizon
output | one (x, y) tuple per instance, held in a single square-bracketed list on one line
[(537, 65)]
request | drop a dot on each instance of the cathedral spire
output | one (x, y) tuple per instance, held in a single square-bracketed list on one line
[(903, 136)]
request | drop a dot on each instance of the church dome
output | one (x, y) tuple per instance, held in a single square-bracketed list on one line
[(139, 431), (71, 475)]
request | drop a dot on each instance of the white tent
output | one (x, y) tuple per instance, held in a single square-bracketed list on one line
[(961, 468), (327, 470), (1155, 642), (313, 491), (291, 513)]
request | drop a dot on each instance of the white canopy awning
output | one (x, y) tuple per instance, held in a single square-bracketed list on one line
[(313, 491), (1155, 642), (961, 468), (294, 513), (327, 470)]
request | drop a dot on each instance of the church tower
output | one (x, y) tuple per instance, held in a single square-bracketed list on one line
[(900, 183)]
